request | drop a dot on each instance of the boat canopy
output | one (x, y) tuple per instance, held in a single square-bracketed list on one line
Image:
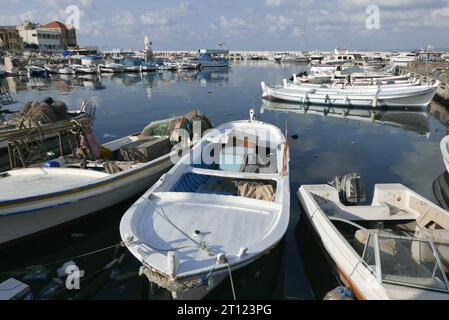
[(405, 261)]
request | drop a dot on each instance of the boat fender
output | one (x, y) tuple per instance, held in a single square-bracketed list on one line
[(51, 164), (339, 293), (242, 252), (171, 263), (375, 101), (62, 270)]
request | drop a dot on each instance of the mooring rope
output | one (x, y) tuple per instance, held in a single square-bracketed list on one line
[(27, 269), (231, 280)]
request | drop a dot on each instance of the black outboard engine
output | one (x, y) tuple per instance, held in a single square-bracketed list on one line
[(350, 188)]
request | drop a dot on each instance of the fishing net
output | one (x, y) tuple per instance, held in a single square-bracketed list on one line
[(167, 126), (256, 190), (45, 111)]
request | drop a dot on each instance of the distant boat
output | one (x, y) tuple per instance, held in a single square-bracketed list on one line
[(394, 249), (292, 58), (212, 58), (403, 59), (85, 69), (148, 67), (202, 221), (110, 67), (35, 71), (59, 69)]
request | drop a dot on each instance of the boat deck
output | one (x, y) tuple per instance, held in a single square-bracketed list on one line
[(225, 223), (38, 181)]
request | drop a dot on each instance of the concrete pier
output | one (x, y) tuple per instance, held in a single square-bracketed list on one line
[(423, 72)]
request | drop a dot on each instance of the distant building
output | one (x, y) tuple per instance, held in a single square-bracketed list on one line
[(67, 33), (34, 36), (10, 38)]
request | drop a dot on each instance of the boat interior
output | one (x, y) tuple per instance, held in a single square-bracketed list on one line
[(402, 238), (118, 155), (234, 165)]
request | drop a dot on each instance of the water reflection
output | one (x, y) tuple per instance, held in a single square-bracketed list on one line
[(66, 83), (440, 111), (417, 121), (441, 189)]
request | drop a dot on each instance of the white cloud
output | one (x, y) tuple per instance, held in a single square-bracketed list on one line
[(273, 3), (278, 23), (154, 19)]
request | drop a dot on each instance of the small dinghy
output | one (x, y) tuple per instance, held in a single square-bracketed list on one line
[(395, 248), (40, 197), (218, 209)]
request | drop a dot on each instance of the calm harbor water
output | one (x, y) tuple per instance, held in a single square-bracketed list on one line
[(386, 147)]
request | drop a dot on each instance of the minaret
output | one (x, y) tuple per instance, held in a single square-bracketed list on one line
[(148, 50)]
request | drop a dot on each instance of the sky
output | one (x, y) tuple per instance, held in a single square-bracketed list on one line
[(245, 24)]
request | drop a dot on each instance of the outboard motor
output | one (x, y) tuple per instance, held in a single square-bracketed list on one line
[(350, 188)]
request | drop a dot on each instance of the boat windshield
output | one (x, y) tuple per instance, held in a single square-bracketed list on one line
[(406, 261)]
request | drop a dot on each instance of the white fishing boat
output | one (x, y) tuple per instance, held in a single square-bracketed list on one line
[(44, 196), (169, 66), (395, 248), (381, 96), (403, 59), (84, 69), (148, 67), (66, 70), (110, 67), (444, 146), (217, 210), (35, 71)]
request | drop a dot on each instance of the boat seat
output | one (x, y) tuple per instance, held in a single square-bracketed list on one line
[(423, 253), (144, 149), (388, 245), (253, 163)]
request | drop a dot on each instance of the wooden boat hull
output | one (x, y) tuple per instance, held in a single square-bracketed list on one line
[(242, 228), (416, 99), (29, 217)]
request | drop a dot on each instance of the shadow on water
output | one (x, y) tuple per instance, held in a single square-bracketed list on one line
[(47, 252), (316, 263)]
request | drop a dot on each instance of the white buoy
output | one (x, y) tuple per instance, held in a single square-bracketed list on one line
[(171, 263)]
